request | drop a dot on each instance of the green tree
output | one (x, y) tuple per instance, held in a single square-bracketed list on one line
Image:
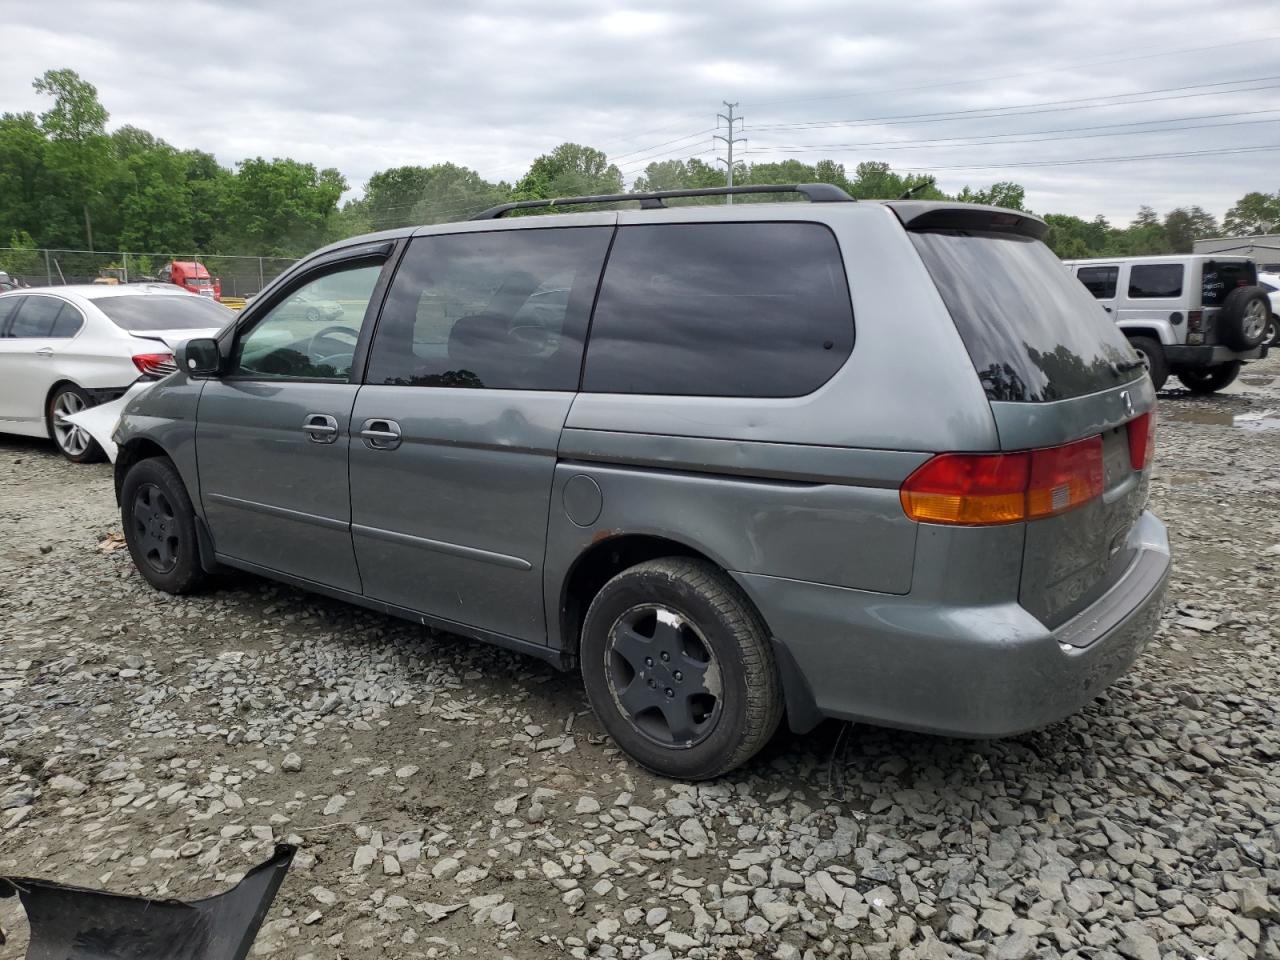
[(1002, 194), (78, 155), (678, 175), (570, 170), (22, 259), (442, 192), (1182, 227), (1253, 214), (280, 207)]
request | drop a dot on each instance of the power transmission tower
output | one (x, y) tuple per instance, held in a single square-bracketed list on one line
[(729, 140)]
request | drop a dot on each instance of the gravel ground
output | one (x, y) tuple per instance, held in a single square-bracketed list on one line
[(450, 798)]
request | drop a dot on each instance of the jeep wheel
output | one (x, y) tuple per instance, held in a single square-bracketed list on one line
[(1151, 354), (160, 526), (1210, 379), (1245, 315), (679, 668)]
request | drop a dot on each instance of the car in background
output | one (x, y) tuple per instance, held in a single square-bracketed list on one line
[(8, 283), (192, 276), (63, 349), (1192, 316), (306, 305), (1270, 282)]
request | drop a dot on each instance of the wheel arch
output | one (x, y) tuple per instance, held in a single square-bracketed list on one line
[(605, 558), (137, 449)]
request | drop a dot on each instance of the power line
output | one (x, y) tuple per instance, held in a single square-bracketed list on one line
[(955, 142), (1223, 151), (1026, 73), (691, 136), (1021, 109)]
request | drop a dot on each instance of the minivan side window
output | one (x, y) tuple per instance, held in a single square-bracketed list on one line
[(45, 318), (720, 309), (1100, 281), (1149, 281), (496, 310), (311, 334)]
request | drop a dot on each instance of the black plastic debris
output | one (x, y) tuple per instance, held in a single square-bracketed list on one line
[(73, 923)]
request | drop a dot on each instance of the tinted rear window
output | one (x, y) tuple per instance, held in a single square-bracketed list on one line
[(720, 309), (1100, 281), (1032, 330), (38, 317), (163, 312), (1153, 281), (7, 305), (1219, 277)]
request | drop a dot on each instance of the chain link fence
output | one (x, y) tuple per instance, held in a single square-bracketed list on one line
[(239, 276)]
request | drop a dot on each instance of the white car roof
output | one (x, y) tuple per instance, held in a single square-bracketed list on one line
[(101, 291)]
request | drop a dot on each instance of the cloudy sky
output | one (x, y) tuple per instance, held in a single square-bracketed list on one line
[(972, 91)]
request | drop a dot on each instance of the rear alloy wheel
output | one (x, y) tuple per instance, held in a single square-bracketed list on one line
[(1210, 379), (1151, 354), (679, 668), (160, 527), (73, 442)]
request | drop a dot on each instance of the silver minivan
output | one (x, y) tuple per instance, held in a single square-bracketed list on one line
[(883, 462)]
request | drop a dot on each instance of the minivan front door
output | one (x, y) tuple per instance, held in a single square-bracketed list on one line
[(472, 371), (272, 434)]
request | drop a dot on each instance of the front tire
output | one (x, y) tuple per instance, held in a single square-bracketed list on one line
[(72, 442), (678, 665), (1205, 380), (160, 526), (1152, 356)]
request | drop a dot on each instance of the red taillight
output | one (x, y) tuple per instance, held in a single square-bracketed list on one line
[(1142, 440), (154, 364), (1195, 321), (981, 489)]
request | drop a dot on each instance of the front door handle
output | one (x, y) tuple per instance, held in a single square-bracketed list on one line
[(320, 428), (379, 434)]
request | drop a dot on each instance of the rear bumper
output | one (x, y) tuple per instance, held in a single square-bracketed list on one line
[(984, 671), (1208, 356)]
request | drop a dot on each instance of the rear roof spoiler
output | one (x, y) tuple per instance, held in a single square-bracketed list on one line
[(935, 215)]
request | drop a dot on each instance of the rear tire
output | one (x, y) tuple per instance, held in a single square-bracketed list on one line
[(1272, 337), (1246, 312), (1204, 380), (1152, 356), (72, 442), (160, 526), (678, 665)]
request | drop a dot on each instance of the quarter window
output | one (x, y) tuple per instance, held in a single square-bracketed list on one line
[(720, 309), (45, 318), (503, 310), (1149, 281), (311, 334), (1100, 281)]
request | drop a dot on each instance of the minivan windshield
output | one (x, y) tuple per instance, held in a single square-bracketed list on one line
[(164, 312), (1032, 330)]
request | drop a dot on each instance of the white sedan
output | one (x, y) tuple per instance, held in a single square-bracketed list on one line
[(1270, 282), (64, 349)]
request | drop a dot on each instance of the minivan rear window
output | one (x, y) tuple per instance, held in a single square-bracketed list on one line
[(1032, 330), (720, 310)]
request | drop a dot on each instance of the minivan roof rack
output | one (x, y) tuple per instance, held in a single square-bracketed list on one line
[(814, 192)]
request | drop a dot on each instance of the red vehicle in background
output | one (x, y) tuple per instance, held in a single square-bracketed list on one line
[(192, 275)]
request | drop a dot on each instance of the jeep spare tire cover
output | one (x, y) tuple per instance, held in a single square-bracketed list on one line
[(1242, 323)]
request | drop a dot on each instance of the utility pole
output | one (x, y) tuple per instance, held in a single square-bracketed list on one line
[(729, 140), (88, 227)]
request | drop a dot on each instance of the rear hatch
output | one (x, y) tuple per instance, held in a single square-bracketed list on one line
[(1062, 383)]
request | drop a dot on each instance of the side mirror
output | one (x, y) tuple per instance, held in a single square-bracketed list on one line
[(199, 357)]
